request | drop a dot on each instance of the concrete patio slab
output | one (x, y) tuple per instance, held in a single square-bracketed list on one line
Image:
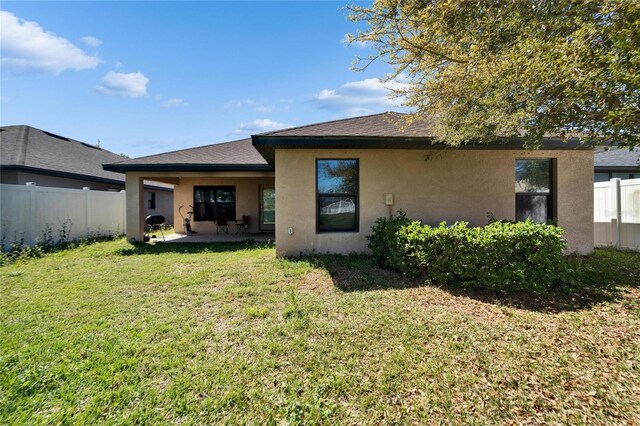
[(212, 238)]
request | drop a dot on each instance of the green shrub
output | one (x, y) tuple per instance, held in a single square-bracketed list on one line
[(500, 255), (384, 242)]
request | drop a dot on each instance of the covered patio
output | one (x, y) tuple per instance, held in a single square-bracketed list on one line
[(227, 191)]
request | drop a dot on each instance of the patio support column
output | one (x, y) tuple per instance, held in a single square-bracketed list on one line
[(134, 188)]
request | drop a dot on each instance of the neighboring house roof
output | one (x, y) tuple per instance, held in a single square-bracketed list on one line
[(235, 155), (29, 149), (617, 159)]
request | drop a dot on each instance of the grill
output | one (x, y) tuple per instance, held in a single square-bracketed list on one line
[(155, 223)]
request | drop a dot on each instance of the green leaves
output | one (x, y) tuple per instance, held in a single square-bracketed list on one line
[(521, 68), (500, 255)]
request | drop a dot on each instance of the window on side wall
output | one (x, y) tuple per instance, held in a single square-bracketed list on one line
[(337, 203), (213, 203), (152, 201), (534, 190)]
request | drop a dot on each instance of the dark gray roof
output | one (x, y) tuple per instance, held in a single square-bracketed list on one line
[(618, 157), (386, 124), (235, 155), (384, 130), (388, 130), (24, 147)]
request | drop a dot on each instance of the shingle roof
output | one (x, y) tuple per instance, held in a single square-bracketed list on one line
[(386, 124), (618, 157), (388, 130), (30, 148), (234, 155)]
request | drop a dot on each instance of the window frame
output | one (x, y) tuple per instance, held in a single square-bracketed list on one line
[(552, 195), (355, 195), (215, 203)]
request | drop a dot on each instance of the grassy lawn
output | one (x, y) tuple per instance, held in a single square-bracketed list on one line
[(203, 334)]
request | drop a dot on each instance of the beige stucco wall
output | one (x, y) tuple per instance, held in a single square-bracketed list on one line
[(434, 186), (247, 199)]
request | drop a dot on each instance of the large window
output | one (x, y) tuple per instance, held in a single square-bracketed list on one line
[(337, 195), (211, 203), (534, 190)]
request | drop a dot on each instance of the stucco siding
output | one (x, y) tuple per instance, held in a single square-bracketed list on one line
[(434, 186), (247, 199)]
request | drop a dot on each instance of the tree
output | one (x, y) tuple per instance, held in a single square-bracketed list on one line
[(513, 67)]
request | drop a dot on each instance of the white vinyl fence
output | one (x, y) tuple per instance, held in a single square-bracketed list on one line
[(616, 211), (28, 211)]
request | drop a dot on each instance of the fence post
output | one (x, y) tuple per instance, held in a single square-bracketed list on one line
[(30, 237), (124, 211), (87, 209), (616, 203)]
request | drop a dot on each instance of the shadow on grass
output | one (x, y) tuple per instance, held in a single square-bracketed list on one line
[(598, 278), (192, 248)]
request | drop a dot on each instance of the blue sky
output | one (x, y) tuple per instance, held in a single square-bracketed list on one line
[(147, 77)]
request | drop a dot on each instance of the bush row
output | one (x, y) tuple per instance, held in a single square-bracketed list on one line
[(500, 255)]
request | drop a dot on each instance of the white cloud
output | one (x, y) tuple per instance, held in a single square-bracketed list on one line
[(133, 84), (251, 103), (25, 45), (361, 97), (239, 103), (361, 44), (174, 103), (259, 126), (91, 41)]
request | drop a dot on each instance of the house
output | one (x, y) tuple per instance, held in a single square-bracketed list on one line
[(28, 154), (332, 180), (612, 162)]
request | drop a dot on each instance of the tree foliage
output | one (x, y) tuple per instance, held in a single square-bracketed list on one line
[(513, 67)]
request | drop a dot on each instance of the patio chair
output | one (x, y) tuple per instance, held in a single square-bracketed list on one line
[(221, 222), (242, 226)]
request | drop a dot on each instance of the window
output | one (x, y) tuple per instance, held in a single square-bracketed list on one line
[(213, 202), (336, 195), (152, 201), (534, 185)]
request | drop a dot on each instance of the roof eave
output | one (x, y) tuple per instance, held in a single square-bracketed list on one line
[(631, 169), (49, 172), (123, 168), (266, 145)]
